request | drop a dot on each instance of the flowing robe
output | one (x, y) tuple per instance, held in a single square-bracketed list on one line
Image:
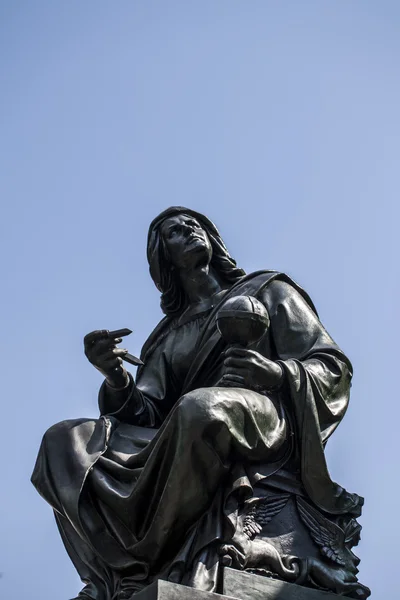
[(148, 487)]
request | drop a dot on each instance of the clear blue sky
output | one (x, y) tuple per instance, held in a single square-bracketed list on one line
[(279, 120)]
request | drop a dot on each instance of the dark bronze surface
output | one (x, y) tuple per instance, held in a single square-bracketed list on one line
[(213, 455), (252, 587), (236, 584)]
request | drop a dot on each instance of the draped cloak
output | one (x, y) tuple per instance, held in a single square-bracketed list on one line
[(144, 487)]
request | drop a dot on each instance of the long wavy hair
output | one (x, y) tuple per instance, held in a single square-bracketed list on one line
[(173, 297)]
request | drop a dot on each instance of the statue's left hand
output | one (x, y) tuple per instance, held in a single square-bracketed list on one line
[(249, 368)]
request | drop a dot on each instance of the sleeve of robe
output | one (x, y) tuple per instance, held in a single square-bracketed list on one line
[(145, 402), (317, 386)]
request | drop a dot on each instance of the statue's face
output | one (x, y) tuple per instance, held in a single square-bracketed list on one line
[(186, 241)]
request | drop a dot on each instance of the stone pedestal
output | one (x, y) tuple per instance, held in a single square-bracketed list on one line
[(237, 585), (164, 590), (246, 586)]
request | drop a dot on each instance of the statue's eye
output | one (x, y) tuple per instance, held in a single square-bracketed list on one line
[(172, 232), (193, 224)]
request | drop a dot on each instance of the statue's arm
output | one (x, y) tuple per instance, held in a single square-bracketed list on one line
[(143, 402), (306, 351)]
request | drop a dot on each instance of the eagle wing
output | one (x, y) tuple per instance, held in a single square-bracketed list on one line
[(327, 536), (262, 512)]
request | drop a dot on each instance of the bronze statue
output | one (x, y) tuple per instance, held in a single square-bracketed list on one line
[(214, 455)]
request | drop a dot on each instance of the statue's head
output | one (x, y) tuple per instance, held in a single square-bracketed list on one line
[(179, 240)]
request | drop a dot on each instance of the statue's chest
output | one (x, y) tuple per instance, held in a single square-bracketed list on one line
[(183, 348), (183, 345)]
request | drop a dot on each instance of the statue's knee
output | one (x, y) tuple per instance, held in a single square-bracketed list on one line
[(199, 407), (56, 432), (192, 404)]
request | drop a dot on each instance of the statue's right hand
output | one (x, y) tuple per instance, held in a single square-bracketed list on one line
[(102, 352)]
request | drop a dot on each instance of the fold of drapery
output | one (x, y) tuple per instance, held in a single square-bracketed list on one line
[(134, 504), (104, 477)]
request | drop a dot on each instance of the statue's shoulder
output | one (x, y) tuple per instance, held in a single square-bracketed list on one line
[(158, 333), (280, 286)]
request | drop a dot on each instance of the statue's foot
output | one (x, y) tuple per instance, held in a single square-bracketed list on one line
[(360, 591), (337, 580)]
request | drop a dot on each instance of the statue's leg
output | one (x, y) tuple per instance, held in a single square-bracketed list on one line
[(207, 431), (153, 498), (99, 579)]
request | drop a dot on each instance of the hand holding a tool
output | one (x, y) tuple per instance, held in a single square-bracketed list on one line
[(102, 352)]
